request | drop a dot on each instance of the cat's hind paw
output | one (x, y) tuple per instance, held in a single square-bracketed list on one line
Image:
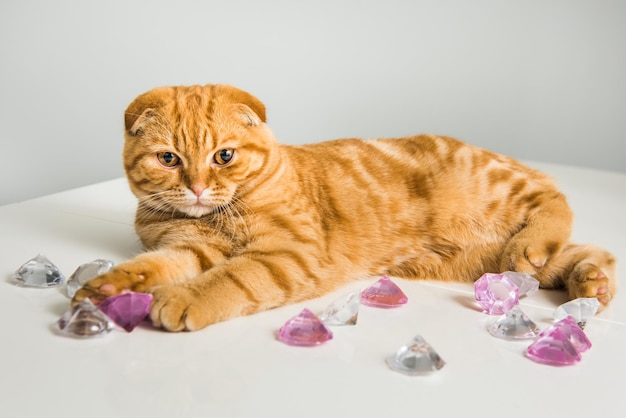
[(589, 281)]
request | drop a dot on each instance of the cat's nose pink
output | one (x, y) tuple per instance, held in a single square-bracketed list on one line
[(197, 189)]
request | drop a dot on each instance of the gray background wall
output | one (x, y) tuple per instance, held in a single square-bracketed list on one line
[(536, 79)]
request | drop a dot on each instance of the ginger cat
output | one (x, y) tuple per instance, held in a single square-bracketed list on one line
[(235, 223)]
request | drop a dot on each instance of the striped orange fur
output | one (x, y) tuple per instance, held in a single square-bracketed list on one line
[(235, 223)]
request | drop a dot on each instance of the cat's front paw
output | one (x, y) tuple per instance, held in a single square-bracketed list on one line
[(119, 280), (175, 308)]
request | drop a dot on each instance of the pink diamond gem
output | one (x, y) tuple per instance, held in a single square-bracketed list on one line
[(554, 348), (128, 309), (571, 329), (560, 344), (496, 293), (304, 329), (383, 294)]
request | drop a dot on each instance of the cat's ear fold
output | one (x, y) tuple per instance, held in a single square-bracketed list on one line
[(142, 109), (251, 109), (249, 116)]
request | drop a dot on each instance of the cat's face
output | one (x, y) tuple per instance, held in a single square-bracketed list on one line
[(192, 150)]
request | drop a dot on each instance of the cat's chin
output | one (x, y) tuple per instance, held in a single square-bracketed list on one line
[(196, 210)]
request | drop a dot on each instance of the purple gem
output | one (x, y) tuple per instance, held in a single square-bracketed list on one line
[(554, 348), (304, 329), (383, 294), (496, 293), (571, 329), (560, 344), (128, 309)]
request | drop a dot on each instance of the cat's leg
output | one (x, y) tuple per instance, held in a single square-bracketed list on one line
[(585, 271), (542, 248), (243, 285), (148, 271), (546, 231)]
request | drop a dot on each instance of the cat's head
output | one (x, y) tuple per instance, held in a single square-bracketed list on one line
[(192, 149)]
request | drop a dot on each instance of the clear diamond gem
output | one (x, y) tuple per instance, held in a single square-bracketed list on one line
[(343, 311), (415, 358), (39, 272), (496, 293), (383, 294), (84, 320), (85, 272), (127, 309), (304, 329), (581, 309), (526, 283), (515, 325)]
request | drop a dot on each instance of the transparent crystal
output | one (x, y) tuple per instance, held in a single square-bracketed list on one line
[(85, 272), (581, 309), (39, 272), (343, 311), (84, 320), (515, 325), (304, 329), (415, 358), (128, 309), (526, 283), (383, 294), (496, 293)]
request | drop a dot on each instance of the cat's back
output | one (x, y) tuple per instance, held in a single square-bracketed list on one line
[(436, 157)]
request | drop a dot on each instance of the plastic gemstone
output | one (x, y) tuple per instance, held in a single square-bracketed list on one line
[(560, 344), (383, 294), (415, 358), (576, 336), (85, 272), (581, 309), (304, 329), (526, 283), (39, 272), (554, 348), (128, 309), (84, 320), (343, 311), (496, 293), (515, 325)]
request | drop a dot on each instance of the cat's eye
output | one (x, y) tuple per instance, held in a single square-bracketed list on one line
[(168, 159), (223, 157)]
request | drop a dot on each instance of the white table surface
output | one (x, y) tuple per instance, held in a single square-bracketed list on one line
[(239, 369)]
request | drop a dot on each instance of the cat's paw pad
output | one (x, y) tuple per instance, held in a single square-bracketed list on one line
[(174, 308), (589, 281), (108, 284)]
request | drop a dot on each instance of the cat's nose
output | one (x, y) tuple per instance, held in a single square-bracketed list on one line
[(197, 189)]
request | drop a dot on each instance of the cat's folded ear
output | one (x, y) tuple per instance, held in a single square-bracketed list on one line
[(252, 109), (143, 107)]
